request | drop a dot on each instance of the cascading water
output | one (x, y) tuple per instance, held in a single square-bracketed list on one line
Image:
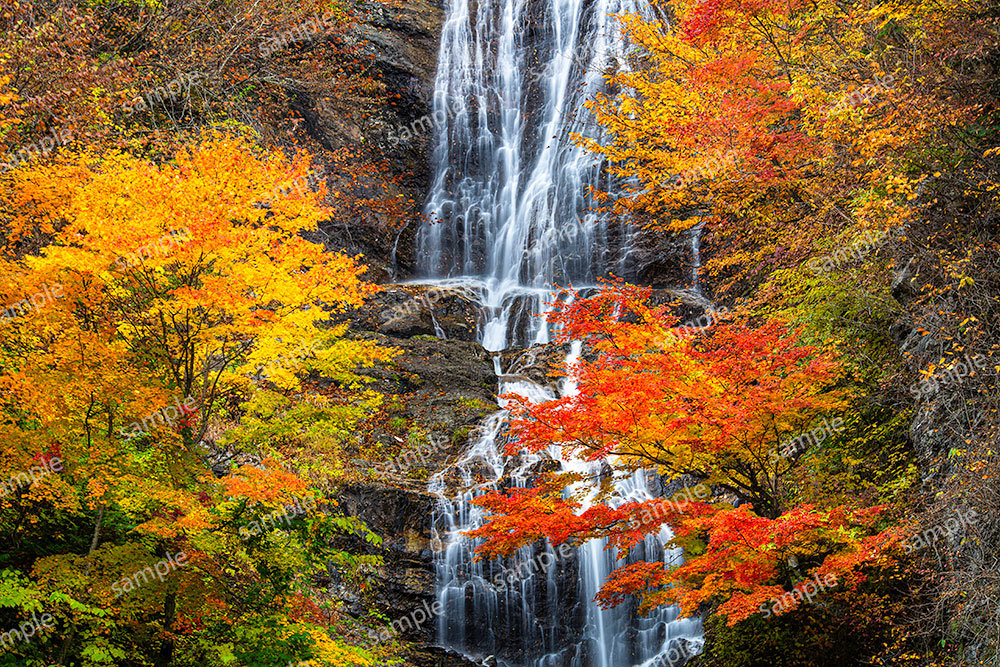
[(696, 256), (511, 217), (509, 201)]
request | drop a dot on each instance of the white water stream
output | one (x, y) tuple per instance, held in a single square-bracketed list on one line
[(511, 218)]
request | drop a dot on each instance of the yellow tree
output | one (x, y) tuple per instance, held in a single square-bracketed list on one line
[(164, 291)]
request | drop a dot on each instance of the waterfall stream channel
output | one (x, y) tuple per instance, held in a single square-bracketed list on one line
[(509, 217)]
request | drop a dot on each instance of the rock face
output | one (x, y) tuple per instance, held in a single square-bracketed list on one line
[(389, 130), (402, 518), (443, 387), (404, 311), (437, 392), (403, 41), (535, 364), (659, 259), (954, 404)]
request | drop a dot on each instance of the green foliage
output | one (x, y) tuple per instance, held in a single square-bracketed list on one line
[(852, 307), (870, 460), (802, 637), (418, 474), (460, 434), (477, 405), (272, 420)]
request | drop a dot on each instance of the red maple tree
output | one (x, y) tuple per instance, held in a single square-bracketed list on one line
[(713, 404)]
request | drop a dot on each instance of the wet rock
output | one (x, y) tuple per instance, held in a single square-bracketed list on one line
[(437, 392), (660, 260), (904, 283), (682, 652), (406, 582), (405, 311), (688, 305), (428, 366), (439, 657), (545, 464), (542, 364)]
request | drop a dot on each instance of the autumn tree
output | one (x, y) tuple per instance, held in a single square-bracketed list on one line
[(150, 71), (718, 406), (789, 129), (146, 77), (171, 295)]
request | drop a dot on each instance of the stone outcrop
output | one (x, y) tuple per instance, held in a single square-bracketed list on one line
[(404, 311), (392, 129), (436, 393), (660, 259)]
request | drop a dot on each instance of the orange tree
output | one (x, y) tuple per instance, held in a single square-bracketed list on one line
[(146, 76), (169, 295), (718, 407), (791, 128)]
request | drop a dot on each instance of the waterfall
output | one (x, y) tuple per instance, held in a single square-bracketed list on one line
[(510, 214), (696, 256), (509, 201)]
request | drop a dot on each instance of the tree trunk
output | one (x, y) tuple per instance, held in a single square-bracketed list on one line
[(94, 541), (166, 654)]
